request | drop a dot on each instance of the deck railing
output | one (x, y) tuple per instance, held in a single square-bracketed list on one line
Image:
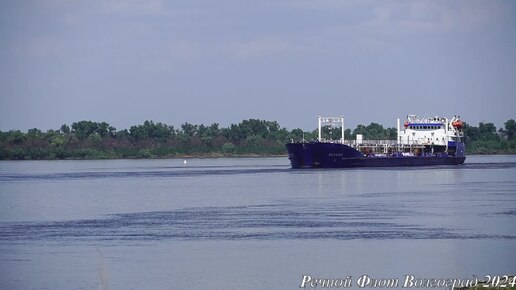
[(384, 142)]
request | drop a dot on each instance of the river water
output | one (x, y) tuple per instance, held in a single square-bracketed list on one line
[(251, 223)]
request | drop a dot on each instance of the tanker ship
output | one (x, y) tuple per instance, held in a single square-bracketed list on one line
[(419, 142)]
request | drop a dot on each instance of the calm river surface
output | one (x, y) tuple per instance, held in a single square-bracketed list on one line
[(250, 223)]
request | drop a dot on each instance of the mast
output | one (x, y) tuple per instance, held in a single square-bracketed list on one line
[(342, 129), (331, 121), (398, 136), (320, 129), (446, 139)]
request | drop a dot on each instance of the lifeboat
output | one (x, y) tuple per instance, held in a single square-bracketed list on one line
[(458, 124)]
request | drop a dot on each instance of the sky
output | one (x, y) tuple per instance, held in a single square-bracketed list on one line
[(204, 62)]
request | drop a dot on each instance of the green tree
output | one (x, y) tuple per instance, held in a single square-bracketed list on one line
[(228, 147), (83, 129), (16, 137), (253, 141), (65, 129), (34, 133), (510, 130), (471, 133), (189, 130), (487, 131), (151, 130), (55, 138), (102, 129)]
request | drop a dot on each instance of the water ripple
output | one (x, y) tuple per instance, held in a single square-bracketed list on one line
[(189, 171), (262, 222)]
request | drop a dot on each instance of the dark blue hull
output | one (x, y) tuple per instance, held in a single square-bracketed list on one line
[(332, 155)]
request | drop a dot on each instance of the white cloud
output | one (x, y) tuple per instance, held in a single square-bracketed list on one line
[(383, 23), (420, 13), (433, 16)]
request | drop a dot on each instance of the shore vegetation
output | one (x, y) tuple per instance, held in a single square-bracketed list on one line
[(252, 137)]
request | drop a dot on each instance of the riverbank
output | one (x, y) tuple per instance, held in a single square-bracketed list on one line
[(178, 156)]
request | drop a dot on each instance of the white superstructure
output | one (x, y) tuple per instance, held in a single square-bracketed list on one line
[(430, 131)]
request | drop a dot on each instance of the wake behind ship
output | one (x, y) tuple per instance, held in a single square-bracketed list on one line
[(421, 141)]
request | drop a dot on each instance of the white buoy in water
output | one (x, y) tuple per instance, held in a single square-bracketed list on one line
[(184, 162)]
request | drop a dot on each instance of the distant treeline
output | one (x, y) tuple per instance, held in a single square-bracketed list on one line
[(99, 140), (485, 139)]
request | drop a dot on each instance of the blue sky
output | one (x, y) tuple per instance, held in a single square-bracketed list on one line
[(206, 62)]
